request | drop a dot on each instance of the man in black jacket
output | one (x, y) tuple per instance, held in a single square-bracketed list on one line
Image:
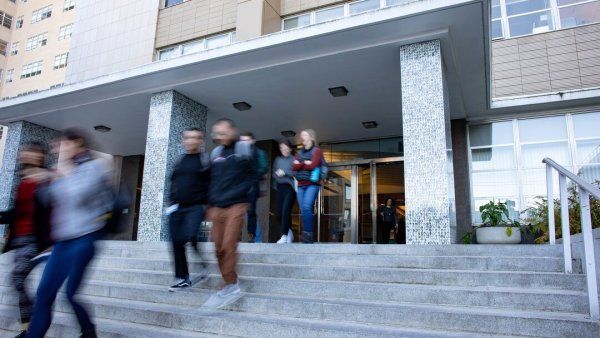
[(188, 195), (233, 174)]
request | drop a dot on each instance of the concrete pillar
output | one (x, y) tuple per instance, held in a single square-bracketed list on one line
[(18, 134), (425, 123), (257, 17), (170, 114), (462, 182)]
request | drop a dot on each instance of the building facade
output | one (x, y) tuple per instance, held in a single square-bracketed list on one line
[(446, 104)]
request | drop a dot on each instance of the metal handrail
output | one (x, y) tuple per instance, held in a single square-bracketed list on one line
[(585, 190)]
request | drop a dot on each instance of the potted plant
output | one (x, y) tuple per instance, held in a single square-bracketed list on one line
[(497, 228)]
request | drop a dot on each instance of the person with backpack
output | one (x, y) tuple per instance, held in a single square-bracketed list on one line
[(233, 174), (284, 184), (261, 167), (307, 166), (188, 195), (28, 221), (81, 200)]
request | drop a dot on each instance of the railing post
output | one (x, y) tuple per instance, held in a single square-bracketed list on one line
[(590, 261), (564, 221), (551, 226)]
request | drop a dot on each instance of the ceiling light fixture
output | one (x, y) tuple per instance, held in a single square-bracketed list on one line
[(241, 106), (288, 133), (102, 129), (370, 124), (338, 91)]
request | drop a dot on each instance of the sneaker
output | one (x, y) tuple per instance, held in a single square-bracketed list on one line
[(201, 278), (41, 257), (250, 238), (227, 296), (21, 335), (282, 240), (180, 285), (290, 236)]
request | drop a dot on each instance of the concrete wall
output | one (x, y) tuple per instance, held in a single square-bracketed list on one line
[(555, 61), (257, 17), (194, 19), (110, 36), (47, 53)]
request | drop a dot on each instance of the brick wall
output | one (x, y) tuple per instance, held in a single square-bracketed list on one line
[(555, 61)]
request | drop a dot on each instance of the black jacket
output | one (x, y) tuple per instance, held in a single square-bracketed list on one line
[(233, 173), (190, 179), (41, 219)]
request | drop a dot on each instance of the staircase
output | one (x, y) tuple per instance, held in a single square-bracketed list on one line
[(331, 290)]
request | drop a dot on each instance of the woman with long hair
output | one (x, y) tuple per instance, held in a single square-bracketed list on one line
[(307, 167)]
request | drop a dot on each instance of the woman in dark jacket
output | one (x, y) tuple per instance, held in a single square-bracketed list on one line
[(28, 222), (389, 219), (284, 183), (307, 166)]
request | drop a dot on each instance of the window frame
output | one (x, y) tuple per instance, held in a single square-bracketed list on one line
[(313, 13), (178, 50)]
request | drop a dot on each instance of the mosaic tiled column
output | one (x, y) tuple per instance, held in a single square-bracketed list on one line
[(425, 132), (19, 133), (170, 114)]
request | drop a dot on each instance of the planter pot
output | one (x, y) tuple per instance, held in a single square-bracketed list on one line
[(497, 235)]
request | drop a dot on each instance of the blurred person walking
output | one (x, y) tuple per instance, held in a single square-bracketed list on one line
[(233, 174), (81, 198), (284, 184), (188, 195), (261, 168), (28, 220), (307, 167)]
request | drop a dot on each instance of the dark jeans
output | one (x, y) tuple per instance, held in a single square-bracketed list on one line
[(184, 225), (69, 261), (285, 197), (307, 195), (386, 227), (252, 199), (25, 248)]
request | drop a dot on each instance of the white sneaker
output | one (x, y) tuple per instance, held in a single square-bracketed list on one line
[(290, 236), (228, 295), (282, 240)]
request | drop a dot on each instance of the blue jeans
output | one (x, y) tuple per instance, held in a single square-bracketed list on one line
[(307, 195), (69, 260), (184, 225)]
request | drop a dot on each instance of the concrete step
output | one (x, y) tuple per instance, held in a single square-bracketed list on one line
[(140, 249), (495, 297), (481, 263), (229, 323), (473, 319)]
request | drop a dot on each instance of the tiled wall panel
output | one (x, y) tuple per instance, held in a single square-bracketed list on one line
[(555, 61)]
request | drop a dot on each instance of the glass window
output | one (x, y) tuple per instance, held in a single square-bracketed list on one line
[(397, 2), (217, 41), (69, 5), (167, 53), (586, 125), (533, 154), (19, 24), (580, 14), (497, 29), (493, 158), (193, 47), (496, 9), (391, 147), (543, 129), (41, 14), (65, 32), (14, 49), (534, 23), (363, 6), (60, 61), (495, 185), (491, 134), (169, 3), (5, 20), (296, 22), (514, 7), (32, 69), (354, 150), (588, 151), (3, 47), (329, 14), (9, 75)]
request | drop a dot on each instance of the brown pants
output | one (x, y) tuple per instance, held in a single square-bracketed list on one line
[(227, 224)]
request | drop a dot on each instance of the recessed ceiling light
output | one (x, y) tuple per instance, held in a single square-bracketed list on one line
[(288, 133), (102, 129), (241, 106), (338, 91), (370, 124)]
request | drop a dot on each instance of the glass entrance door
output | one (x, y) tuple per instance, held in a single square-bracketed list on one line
[(351, 200)]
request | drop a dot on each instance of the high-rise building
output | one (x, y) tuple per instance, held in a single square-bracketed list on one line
[(442, 105)]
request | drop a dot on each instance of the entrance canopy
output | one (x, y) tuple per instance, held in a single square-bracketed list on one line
[(285, 78)]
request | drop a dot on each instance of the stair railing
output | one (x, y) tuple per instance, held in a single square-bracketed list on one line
[(585, 189)]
